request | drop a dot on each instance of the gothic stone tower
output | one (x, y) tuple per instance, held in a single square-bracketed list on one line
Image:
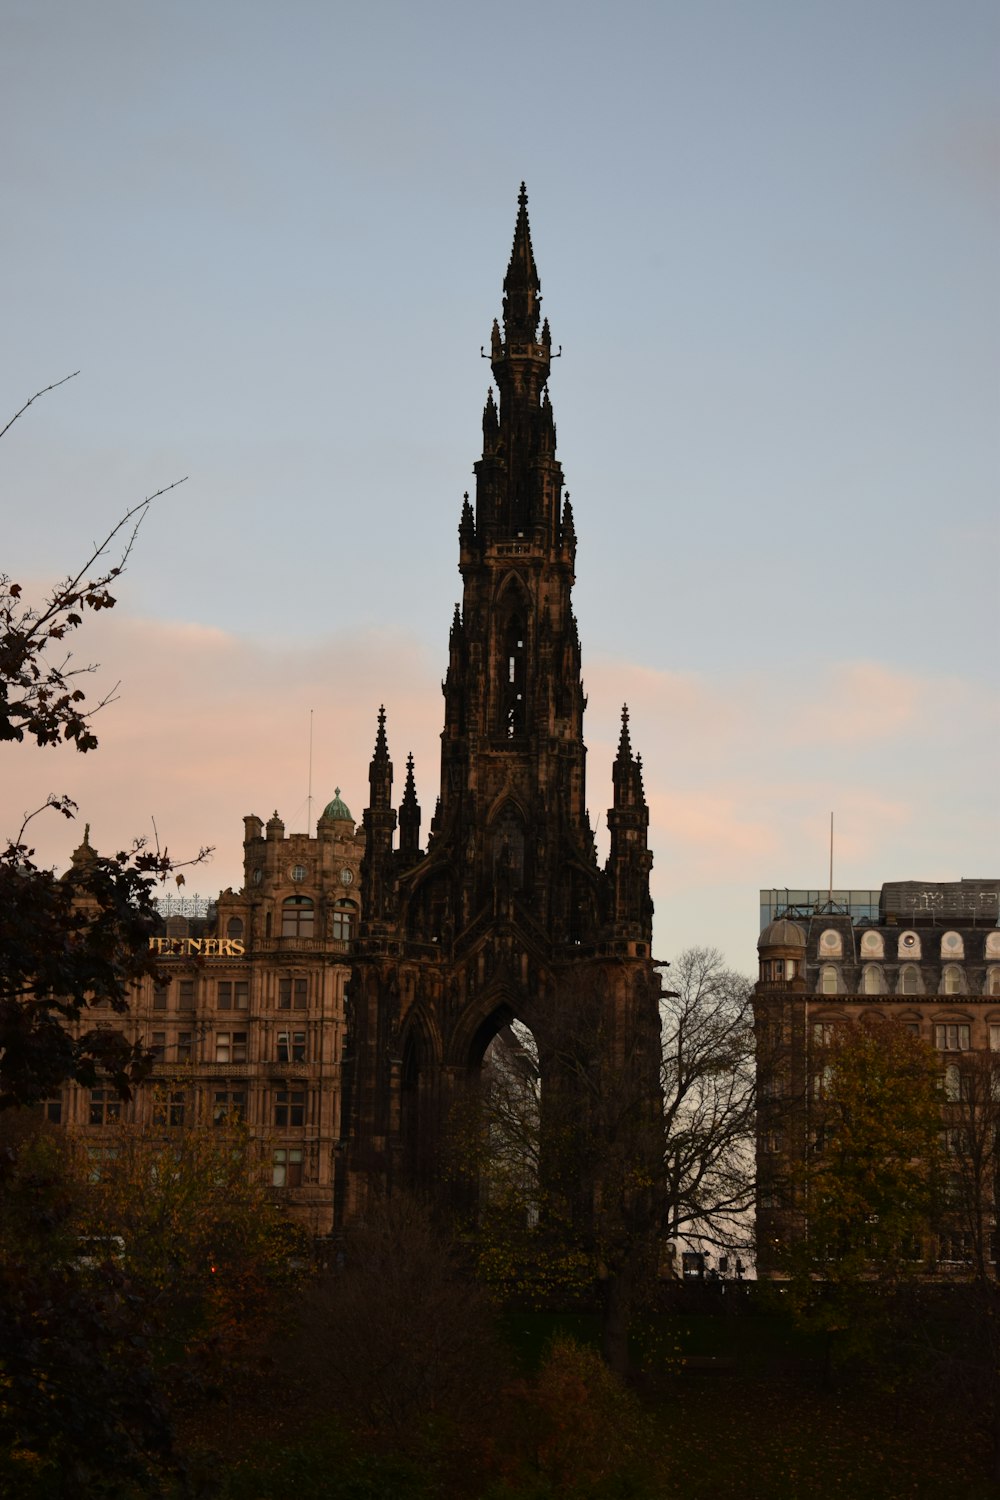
[(507, 914)]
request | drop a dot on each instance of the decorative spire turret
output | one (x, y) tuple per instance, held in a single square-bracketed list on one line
[(379, 825), (409, 817), (521, 286), (629, 860), (380, 770)]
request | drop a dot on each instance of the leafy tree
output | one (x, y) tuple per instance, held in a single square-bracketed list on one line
[(80, 1411), (866, 1193), (206, 1246), (968, 1217), (67, 943)]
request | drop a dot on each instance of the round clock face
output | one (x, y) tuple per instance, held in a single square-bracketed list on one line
[(346, 876)]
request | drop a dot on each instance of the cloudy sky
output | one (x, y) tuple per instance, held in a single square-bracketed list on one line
[(272, 239)]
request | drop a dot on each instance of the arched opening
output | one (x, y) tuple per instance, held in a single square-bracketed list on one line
[(514, 678), (510, 1096)]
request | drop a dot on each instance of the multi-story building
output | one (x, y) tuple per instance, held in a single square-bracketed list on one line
[(246, 1016), (924, 953)]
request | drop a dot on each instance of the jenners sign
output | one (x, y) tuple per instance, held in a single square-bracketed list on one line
[(186, 947)]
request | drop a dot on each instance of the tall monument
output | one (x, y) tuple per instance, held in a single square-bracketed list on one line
[(506, 914)]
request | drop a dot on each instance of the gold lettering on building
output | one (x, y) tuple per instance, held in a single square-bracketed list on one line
[(187, 947)]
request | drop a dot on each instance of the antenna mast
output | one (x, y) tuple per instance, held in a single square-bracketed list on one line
[(829, 893), (309, 798)]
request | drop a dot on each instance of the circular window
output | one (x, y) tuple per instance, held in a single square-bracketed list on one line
[(298, 873), (909, 940)]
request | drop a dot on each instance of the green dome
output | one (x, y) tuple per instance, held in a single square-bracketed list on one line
[(337, 811)]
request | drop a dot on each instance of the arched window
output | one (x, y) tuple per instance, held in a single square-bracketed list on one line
[(993, 982), (297, 914), (831, 944), (342, 921), (514, 722), (828, 980), (234, 927), (871, 980), (951, 980), (909, 980), (952, 945), (872, 945)]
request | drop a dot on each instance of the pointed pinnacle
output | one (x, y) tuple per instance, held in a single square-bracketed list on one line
[(381, 743), (624, 743), (521, 285)]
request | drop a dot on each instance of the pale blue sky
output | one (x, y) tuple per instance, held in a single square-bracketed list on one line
[(273, 238)]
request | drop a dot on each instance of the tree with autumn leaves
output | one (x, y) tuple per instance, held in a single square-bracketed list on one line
[(863, 1197)]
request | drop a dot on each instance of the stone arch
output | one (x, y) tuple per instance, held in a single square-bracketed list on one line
[(420, 1058)]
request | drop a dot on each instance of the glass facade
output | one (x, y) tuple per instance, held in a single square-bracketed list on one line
[(860, 906)]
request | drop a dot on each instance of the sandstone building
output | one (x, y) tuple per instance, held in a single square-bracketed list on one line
[(924, 953), (246, 1019)]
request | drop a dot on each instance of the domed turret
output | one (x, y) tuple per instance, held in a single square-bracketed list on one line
[(782, 949), (337, 811), (782, 934)]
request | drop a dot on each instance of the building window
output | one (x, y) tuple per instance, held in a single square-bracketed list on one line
[(230, 1046), (951, 980), (184, 1039), (185, 996), (292, 994), (871, 980), (831, 943), (955, 1247), (234, 927), (993, 982), (909, 980), (909, 945), (290, 1107), (297, 913), (822, 1081), (994, 1037), (828, 980), (342, 921), (823, 1033), (233, 994), (952, 945), (952, 1037), (872, 945), (169, 1108), (158, 1046), (160, 993), (228, 1104), (291, 1046), (105, 1106), (286, 1170), (51, 1109)]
